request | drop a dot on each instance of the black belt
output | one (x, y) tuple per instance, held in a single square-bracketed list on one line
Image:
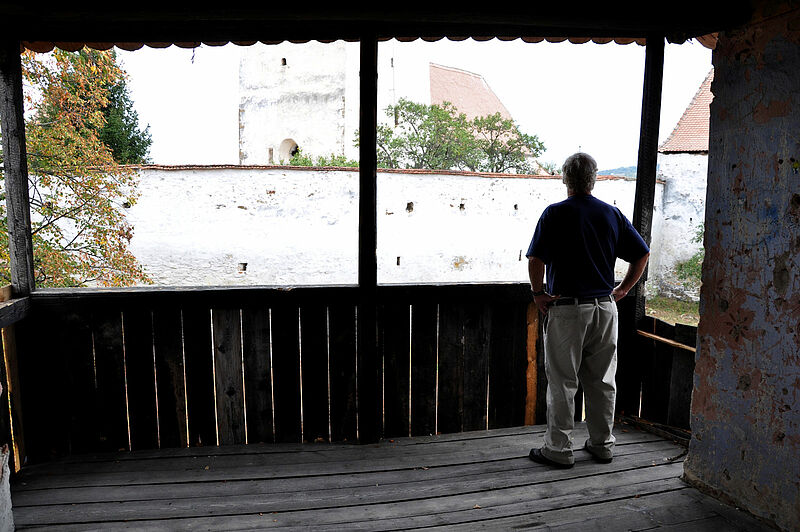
[(581, 300)]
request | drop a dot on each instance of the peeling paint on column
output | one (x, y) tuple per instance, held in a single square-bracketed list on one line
[(746, 398)]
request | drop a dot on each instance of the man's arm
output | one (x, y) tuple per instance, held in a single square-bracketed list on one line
[(632, 276), (536, 274)]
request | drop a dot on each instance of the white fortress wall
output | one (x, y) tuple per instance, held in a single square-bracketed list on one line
[(194, 226), (683, 213)]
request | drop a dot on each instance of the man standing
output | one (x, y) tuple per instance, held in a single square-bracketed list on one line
[(578, 241)]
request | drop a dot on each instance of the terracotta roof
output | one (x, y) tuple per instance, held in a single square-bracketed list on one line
[(691, 133), (468, 92)]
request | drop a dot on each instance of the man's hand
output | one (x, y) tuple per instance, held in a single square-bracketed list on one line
[(618, 293), (635, 270), (543, 302)]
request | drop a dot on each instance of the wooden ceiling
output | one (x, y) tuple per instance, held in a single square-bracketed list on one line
[(137, 23)]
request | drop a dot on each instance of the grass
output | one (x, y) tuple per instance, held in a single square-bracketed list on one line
[(673, 310)]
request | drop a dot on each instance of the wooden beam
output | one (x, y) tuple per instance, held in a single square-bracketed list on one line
[(648, 151), (369, 405), (632, 308), (667, 341), (15, 163), (14, 310)]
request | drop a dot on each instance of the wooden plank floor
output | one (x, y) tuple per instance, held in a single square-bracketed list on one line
[(476, 480)]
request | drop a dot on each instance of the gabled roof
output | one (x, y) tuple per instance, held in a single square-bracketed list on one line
[(691, 133), (468, 92)]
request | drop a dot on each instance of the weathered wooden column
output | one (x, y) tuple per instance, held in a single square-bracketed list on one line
[(631, 312), (15, 170), (369, 404)]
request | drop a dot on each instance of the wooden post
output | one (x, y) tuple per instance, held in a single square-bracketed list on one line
[(629, 373), (648, 151), (15, 163), (369, 405)]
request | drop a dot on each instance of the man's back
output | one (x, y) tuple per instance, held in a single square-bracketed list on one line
[(579, 240)]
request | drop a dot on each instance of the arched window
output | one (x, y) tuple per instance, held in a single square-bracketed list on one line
[(287, 149)]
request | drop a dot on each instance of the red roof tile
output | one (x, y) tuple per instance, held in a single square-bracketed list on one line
[(691, 132)]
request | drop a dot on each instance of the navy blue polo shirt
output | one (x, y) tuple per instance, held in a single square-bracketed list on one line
[(579, 240)]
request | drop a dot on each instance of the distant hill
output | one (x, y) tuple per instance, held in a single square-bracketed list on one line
[(623, 171)]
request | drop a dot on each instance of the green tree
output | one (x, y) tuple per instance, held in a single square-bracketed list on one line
[(121, 133), (78, 191), (501, 146), (426, 136), (690, 271), (439, 137), (119, 130)]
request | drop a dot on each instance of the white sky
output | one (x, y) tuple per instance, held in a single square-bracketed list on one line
[(572, 96)]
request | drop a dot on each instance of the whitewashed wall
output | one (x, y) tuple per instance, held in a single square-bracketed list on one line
[(193, 226), (682, 214)]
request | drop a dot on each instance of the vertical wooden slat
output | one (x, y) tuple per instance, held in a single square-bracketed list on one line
[(199, 375), (342, 324), (450, 407), (508, 365), (140, 366), (424, 322), (477, 348), (394, 344), (286, 373), (257, 374), (110, 368), (228, 375), (629, 360), (681, 377), (75, 346), (15, 170), (657, 358), (42, 375), (12, 396), (369, 405), (168, 347), (314, 360), (533, 354), (5, 411)]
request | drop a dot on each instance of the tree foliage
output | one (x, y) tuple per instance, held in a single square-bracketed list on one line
[(119, 130), (439, 137), (121, 133), (690, 271), (78, 191)]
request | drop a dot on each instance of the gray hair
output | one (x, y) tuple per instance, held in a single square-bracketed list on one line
[(579, 172)]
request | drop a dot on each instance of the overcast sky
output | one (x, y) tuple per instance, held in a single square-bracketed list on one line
[(572, 96)]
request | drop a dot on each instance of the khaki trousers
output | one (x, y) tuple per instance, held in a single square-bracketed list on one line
[(580, 344)]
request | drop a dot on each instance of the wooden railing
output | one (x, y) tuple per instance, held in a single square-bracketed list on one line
[(668, 360), (101, 370), (149, 368)]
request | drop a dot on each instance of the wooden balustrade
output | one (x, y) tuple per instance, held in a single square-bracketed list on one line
[(149, 368)]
